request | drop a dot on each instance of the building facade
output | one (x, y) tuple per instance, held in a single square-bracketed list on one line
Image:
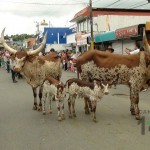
[(57, 37), (107, 20)]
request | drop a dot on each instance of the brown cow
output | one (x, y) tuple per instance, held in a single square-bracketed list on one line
[(132, 70), (35, 68), (93, 91)]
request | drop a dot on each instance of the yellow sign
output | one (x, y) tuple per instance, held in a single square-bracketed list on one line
[(44, 23), (147, 26)]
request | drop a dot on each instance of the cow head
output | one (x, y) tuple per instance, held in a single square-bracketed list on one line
[(61, 91), (100, 88), (21, 56)]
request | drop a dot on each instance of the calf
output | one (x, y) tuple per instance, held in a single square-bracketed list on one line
[(53, 88), (83, 89)]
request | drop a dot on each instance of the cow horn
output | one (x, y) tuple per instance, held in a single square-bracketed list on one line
[(39, 48), (11, 50), (145, 42)]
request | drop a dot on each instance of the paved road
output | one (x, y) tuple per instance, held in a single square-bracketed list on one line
[(21, 128)]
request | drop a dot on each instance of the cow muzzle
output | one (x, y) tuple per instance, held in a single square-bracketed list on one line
[(106, 93), (17, 69)]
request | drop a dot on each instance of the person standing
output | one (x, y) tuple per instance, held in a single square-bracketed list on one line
[(109, 50), (134, 51), (12, 65)]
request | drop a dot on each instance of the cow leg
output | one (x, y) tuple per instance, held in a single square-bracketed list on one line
[(90, 105), (62, 109), (86, 105), (94, 113), (58, 108), (43, 101), (40, 97), (134, 104), (35, 98), (69, 106), (136, 107), (50, 103), (94, 105), (73, 107)]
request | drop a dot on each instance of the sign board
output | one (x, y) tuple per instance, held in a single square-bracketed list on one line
[(127, 32)]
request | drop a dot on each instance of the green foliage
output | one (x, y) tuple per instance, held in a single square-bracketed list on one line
[(21, 37)]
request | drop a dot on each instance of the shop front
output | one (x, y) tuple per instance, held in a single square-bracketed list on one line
[(103, 40), (128, 37), (81, 42)]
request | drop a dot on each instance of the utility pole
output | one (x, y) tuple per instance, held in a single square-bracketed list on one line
[(91, 23)]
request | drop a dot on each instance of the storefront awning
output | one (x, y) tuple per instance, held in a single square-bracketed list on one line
[(107, 36)]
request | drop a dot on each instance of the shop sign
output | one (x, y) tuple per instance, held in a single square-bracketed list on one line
[(127, 32), (81, 38)]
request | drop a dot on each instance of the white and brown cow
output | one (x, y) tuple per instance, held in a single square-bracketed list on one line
[(131, 70), (35, 68), (93, 91), (54, 88)]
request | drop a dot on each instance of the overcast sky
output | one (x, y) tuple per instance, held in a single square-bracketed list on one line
[(20, 16)]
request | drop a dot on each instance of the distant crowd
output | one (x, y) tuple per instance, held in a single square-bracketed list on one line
[(68, 58)]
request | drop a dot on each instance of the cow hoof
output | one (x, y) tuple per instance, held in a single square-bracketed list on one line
[(138, 117), (94, 120), (70, 116), (63, 117), (34, 107), (44, 112), (132, 112), (87, 112), (59, 119), (50, 112), (91, 110), (39, 108), (74, 115)]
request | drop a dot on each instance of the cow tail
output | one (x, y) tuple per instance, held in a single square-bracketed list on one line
[(78, 74), (66, 86)]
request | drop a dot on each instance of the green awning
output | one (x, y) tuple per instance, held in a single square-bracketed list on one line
[(107, 36)]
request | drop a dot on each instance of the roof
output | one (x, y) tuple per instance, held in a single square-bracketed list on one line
[(84, 13)]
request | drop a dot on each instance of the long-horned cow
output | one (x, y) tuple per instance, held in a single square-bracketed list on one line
[(35, 68), (131, 70)]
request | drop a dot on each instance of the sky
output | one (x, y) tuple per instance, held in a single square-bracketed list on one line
[(21, 16)]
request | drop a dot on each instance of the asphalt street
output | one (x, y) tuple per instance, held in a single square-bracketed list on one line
[(22, 128)]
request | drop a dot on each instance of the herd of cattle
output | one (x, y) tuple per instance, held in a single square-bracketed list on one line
[(96, 70)]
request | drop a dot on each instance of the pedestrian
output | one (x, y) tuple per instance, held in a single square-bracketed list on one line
[(12, 65), (109, 50), (8, 64), (133, 51)]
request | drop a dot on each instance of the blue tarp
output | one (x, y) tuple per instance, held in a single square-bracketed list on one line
[(107, 36)]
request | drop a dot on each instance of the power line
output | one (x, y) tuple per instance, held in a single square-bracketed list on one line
[(121, 3), (45, 3), (139, 5), (112, 3)]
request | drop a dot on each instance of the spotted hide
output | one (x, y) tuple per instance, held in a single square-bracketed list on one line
[(35, 68), (54, 88), (131, 70), (93, 91)]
